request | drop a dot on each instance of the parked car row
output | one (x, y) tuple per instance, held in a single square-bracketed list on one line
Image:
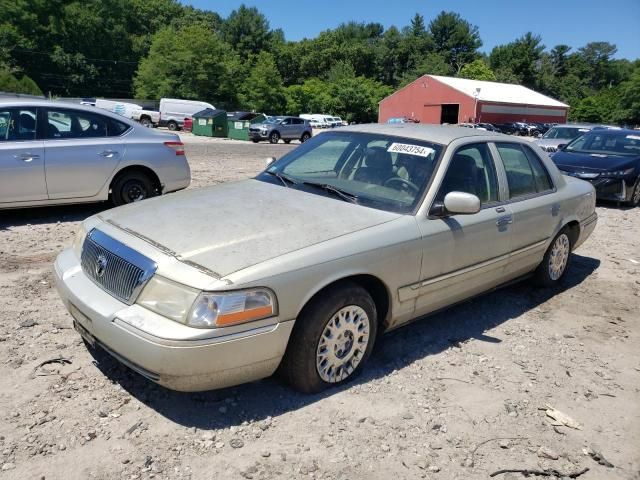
[(322, 121)]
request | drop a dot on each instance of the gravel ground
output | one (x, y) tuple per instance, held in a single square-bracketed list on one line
[(458, 395)]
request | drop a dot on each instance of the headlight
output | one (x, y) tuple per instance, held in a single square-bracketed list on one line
[(78, 241), (225, 309), (168, 298), (619, 173), (204, 309)]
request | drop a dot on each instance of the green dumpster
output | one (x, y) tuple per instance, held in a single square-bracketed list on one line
[(238, 123), (210, 123)]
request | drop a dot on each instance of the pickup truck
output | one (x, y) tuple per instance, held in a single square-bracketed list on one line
[(148, 118)]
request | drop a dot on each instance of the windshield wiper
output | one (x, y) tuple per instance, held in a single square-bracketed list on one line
[(285, 179), (347, 196)]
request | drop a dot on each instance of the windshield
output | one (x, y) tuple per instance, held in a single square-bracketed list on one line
[(606, 143), (378, 171), (565, 132)]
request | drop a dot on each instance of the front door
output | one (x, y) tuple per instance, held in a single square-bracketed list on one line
[(22, 174), (80, 156), (464, 255)]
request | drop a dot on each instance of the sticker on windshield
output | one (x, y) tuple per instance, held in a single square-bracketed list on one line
[(633, 137), (410, 149)]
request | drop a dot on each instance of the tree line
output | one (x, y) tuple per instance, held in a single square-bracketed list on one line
[(150, 49)]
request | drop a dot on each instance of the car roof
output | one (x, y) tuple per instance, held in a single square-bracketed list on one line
[(443, 134), (29, 102)]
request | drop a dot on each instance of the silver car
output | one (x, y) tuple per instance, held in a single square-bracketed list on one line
[(55, 153), (561, 135), (358, 231)]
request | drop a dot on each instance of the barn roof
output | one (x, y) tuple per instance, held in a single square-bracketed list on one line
[(499, 92)]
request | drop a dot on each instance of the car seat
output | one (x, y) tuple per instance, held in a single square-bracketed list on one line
[(378, 166), (462, 176)]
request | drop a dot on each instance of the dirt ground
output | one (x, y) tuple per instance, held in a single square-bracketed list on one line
[(459, 395)]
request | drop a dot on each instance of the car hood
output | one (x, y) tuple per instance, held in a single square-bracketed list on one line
[(569, 161), (229, 227)]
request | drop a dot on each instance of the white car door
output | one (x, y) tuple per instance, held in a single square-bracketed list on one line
[(464, 255), (80, 156), (22, 174)]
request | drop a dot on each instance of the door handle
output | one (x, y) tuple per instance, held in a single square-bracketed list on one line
[(507, 220), (108, 153), (26, 157), (500, 209)]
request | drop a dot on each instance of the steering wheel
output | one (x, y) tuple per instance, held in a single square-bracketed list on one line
[(403, 183)]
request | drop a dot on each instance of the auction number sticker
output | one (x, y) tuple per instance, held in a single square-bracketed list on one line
[(410, 149)]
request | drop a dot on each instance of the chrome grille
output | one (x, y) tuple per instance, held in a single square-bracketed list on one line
[(114, 267)]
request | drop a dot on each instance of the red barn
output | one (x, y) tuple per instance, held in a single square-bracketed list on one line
[(436, 99)]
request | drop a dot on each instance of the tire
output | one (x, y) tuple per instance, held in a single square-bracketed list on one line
[(173, 126), (254, 140), (551, 271), (287, 142), (305, 137), (634, 201), (146, 122), (274, 137), (131, 187), (313, 361)]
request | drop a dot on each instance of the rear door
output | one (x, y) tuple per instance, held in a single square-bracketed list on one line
[(22, 174), (81, 152), (533, 204)]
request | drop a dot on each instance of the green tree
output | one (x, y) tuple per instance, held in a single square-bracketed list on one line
[(520, 57), (247, 31), (263, 90), (477, 70), (192, 62), (628, 110), (455, 39)]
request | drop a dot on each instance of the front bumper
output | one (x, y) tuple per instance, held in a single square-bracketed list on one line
[(171, 354), (258, 135), (612, 189)]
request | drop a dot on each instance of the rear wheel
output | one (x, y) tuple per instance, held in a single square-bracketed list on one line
[(332, 339), (146, 122), (555, 262), (173, 126), (131, 187), (305, 137), (274, 137)]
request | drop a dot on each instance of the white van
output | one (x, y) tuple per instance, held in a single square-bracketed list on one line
[(173, 111), (316, 120)]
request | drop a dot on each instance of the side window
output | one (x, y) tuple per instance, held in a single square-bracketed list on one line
[(519, 173), (286, 121), (116, 128), (298, 121), (471, 170), (17, 124), (540, 173), (63, 124)]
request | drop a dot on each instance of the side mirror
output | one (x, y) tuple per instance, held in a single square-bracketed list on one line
[(269, 160), (561, 146), (461, 203)]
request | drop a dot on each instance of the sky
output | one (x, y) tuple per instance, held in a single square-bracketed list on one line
[(572, 22)]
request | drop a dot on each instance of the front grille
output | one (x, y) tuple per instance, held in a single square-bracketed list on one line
[(114, 267)]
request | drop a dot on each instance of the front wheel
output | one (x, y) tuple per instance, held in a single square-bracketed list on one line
[(635, 196), (555, 261), (131, 187), (331, 340), (274, 137)]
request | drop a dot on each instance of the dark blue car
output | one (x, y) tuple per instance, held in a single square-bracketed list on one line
[(609, 159)]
